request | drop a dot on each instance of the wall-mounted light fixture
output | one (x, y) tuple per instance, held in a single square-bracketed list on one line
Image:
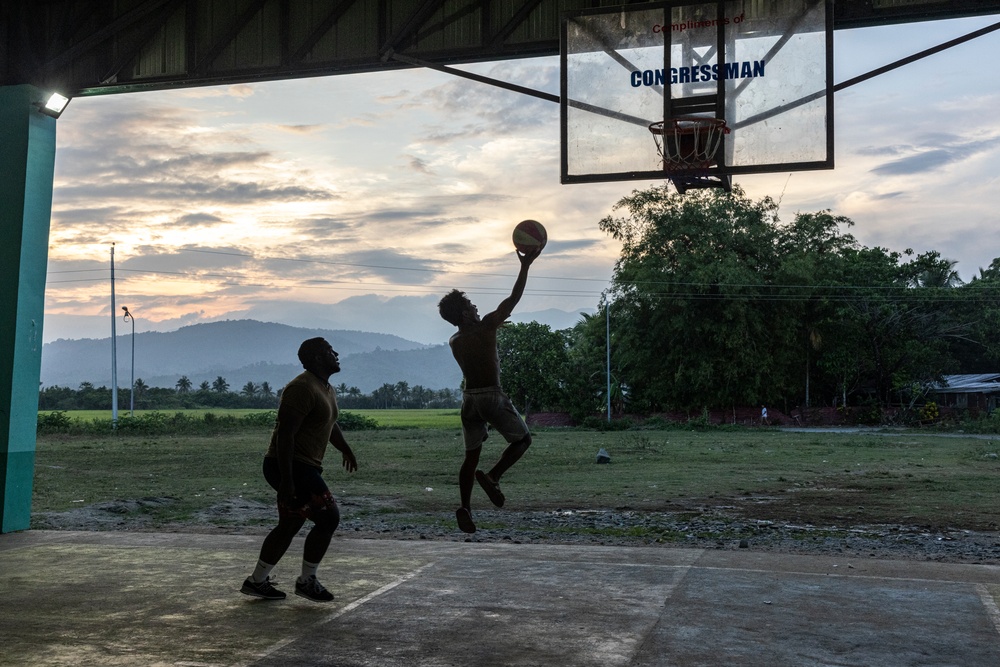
[(54, 105)]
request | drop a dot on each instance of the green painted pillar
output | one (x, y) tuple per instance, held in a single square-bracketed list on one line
[(27, 160)]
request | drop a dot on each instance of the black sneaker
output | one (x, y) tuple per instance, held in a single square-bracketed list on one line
[(311, 589), (263, 589)]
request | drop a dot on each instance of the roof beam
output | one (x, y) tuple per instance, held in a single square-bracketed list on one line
[(519, 17), (410, 27), (108, 31), (321, 29), (216, 49), (127, 56)]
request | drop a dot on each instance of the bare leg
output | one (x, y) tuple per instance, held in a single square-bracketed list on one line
[(510, 456), (467, 475)]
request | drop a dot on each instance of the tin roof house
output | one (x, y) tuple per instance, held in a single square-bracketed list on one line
[(978, 392)]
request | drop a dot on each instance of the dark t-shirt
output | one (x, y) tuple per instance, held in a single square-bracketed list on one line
[(316, 401)]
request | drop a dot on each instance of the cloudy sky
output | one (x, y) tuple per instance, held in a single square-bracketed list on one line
[(356, 201)]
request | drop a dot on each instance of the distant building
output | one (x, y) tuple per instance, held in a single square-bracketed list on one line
[(978, 392)]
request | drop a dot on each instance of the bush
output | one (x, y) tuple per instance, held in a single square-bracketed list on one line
[(981, 424), (352, 422), (54, 422), (596, 423), (658, 423), (156, 423), (930, 411), (267, 419), (700, 422), (870, 415)]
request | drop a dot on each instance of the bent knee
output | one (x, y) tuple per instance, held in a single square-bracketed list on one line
[(327, 520)]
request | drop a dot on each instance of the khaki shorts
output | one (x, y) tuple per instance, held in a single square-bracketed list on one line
[(489, 405)]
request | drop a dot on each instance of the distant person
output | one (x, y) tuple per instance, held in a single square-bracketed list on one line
[(483, 401), (763, 415), (307, 421)]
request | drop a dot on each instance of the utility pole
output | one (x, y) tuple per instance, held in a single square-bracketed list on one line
[(114, 348), (607, 350), (131, 406)]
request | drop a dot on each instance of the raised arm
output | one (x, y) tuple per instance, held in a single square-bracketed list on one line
[(506, 307)]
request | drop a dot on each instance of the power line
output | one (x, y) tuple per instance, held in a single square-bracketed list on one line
[(675, 289)]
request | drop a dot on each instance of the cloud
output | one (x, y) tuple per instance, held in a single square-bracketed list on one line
[(300, 129), (493, 111), (921, 162), (419, 165), (72, 216), (933, 159), (197, 219), (880, 151)]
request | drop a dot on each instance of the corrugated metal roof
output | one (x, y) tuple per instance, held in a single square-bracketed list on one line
[(969, 384), (84, 47)]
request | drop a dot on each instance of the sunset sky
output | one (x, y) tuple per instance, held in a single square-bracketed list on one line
[(356, 201)]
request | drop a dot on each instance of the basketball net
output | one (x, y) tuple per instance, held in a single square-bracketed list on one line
[(687, 146)]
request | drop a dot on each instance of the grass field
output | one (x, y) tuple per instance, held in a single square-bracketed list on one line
[(445, 418), (838, 478)]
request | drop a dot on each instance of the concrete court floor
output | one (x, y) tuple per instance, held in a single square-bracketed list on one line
[(106, 598)]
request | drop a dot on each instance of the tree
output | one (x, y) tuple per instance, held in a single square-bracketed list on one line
[(896, 329), (585, 374), (220, 386), (715, 302), (695, 322), (402, 393), (978, 303), (265, 390), (183, 385), (385, 396), (532, 361), (931, 270)]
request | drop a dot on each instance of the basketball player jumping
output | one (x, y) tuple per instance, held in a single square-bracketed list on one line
[(483, 401)]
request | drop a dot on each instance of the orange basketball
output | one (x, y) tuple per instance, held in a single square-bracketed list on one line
[(529, 235)]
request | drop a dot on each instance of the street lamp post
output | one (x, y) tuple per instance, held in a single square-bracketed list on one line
[(127, 317)]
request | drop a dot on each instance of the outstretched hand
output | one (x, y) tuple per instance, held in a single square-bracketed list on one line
[(527, 258)]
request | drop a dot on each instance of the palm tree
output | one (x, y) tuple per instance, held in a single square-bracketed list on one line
[(265, 390), (402, 393), (139, 387), (990, 274), (183, 385), (220, 385), (938, 272), (250, 389), (204, 386)]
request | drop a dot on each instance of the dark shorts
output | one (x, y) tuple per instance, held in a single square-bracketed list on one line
[(489, 405), (312, 495)]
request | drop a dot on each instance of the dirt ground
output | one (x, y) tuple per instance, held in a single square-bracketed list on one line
[(776, 524), (747, 522)]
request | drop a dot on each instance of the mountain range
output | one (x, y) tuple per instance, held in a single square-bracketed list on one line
[(244, 351)]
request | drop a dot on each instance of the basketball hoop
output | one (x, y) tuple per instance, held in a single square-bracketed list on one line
[(687, 143)]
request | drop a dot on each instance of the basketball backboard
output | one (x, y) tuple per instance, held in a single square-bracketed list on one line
[(765, 67)]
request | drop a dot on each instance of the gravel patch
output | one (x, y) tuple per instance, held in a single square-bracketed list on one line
[(705, 529)]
